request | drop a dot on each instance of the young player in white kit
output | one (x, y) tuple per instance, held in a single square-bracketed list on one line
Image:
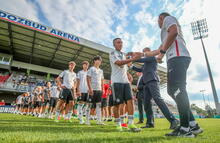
[(55, 93), (95, 79), (82, 92), (120, 85), (68, 91)]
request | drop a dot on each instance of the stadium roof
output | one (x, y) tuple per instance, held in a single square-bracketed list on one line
[(32, 43)]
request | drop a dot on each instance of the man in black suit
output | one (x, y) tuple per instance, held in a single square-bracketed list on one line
[(152, 90), (140, 97)]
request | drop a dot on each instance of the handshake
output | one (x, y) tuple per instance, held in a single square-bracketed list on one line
[(134, 55), (137, 55)]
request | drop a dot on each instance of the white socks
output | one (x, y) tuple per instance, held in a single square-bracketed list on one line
[(98, 112), (118, 121), (88, 112), (57, 114), (130, 119), (69, 114), (80, 111), (122, 118)]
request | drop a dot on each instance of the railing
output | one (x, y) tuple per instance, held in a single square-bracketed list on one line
[(16, 87)]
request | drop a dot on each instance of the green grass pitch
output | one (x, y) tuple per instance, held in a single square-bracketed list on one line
[(26, 129)]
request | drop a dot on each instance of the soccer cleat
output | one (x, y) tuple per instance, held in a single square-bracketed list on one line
[(140, 122), (178, 132), (100, 123), (133, 128), (56, 120), (109, 120), (66, 118), (81, 122), (70, 121), (75, 117), (148, 126), (196, 129), (124, 125), (119, 128), (88, 123), (59, 118), (47, 116), (51, 117)]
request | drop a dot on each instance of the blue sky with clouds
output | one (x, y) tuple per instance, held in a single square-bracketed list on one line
[(135, 21)]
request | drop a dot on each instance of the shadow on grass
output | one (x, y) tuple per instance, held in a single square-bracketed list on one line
[(50, 126), (47, 126), (135, 139)]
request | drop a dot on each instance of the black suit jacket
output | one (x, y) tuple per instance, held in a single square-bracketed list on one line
[(149, 69)]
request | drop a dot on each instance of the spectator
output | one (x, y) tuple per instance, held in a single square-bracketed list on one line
[(2, 103)]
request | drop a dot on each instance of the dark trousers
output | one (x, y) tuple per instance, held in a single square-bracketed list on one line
[(140, 100), (152, 90), (176, 87)]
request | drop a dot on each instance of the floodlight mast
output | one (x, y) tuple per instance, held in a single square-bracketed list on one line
[(200, 31)]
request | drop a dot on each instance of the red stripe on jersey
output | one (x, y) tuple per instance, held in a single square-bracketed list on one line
[(177, 48)]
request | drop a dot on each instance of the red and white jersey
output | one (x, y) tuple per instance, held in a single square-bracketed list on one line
[(178, 47)]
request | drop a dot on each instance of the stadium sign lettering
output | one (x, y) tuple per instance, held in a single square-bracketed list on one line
[(37, 26), (6, 109)]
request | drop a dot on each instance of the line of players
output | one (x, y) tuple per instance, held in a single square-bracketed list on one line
[(82, 94)]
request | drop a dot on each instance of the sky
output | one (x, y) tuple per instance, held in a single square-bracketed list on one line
[(135, 21)]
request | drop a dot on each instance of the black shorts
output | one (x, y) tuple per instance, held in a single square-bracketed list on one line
[(45, 103), (110, 100), (22, 105), (97, 96), (37, 104), (53, 101), (30, 105), (121, 93), (89, 99), (84, 97), (93, 106), (18, 105), (66, 95), (25, 105), (104, 102)]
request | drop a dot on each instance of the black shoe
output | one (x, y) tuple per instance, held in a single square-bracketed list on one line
[(109, 120), (174, 124), (196, 129), (178, 132), (140, 122), (148, 126)]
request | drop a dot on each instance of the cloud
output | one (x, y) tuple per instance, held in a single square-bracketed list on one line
[(198, 99), (144, 18), (89, 19), (140, 40), (21, 8), (202, 73)]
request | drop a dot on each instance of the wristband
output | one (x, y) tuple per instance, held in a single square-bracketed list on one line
[(162, 52)]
